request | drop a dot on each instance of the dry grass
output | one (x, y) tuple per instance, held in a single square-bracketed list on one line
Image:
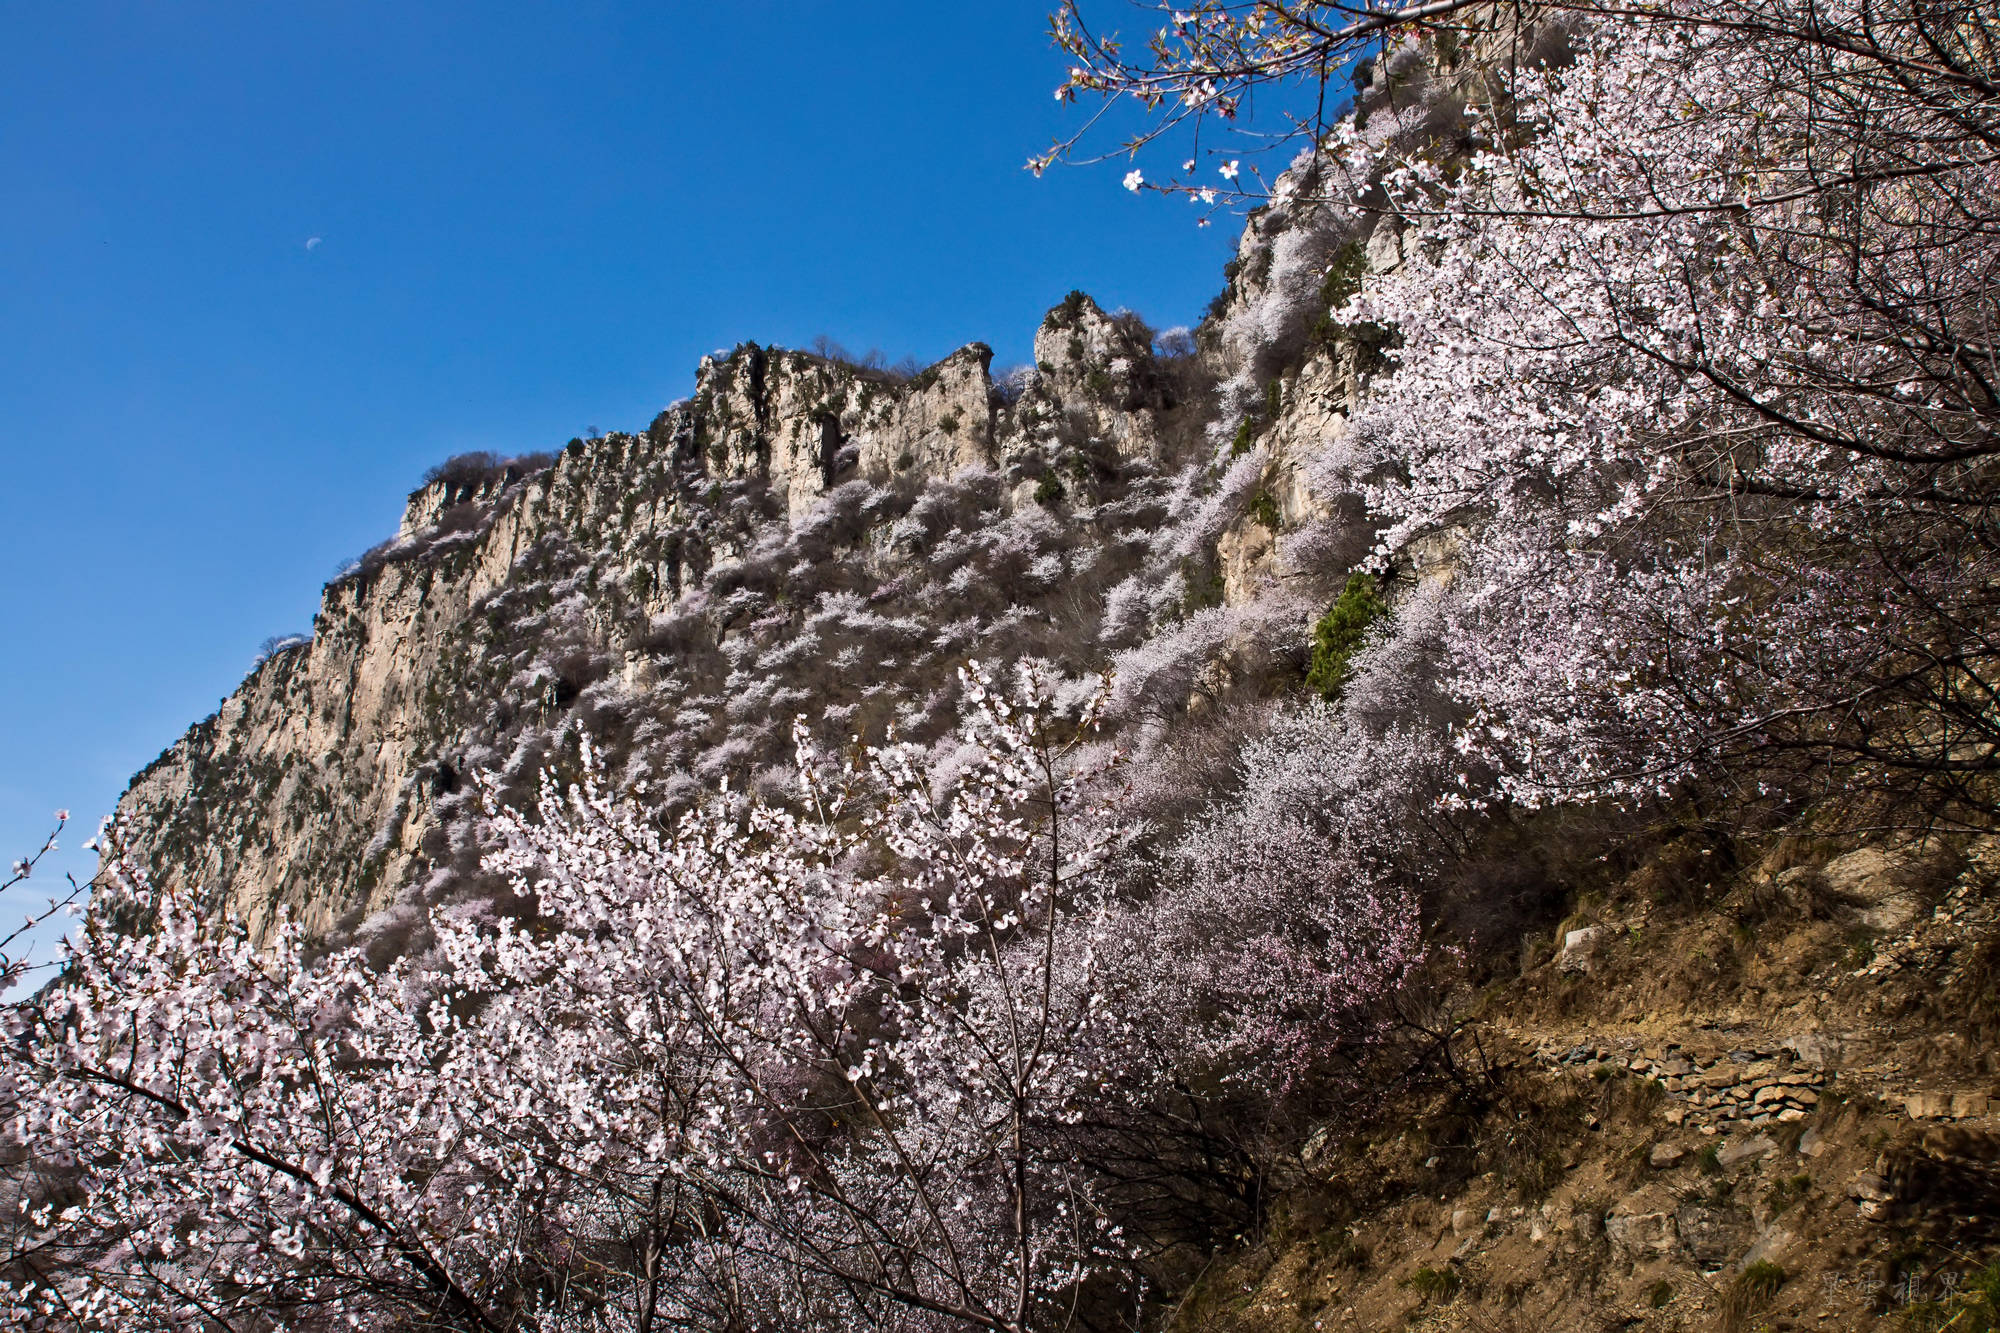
[(1753, 1291)]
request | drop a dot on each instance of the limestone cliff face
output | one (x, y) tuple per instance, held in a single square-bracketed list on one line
[(653, 588), (313, 789), (308, 791)]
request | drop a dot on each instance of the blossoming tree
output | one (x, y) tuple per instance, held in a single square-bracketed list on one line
[(1699, 370), (815, 1061), (1691, 353)]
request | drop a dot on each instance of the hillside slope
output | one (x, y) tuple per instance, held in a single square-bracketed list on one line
[(1711, 1096)]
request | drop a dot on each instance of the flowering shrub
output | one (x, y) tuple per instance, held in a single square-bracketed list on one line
[(210, 1128), (18, 944), (1282, 905)]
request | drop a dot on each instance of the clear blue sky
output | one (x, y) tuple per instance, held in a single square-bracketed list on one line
[(532, 220)]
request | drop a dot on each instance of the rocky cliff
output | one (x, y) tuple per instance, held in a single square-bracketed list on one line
[(679, 592), (673, 593)]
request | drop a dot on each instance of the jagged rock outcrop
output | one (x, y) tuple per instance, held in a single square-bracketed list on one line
[(805, 423), (1104, 366)]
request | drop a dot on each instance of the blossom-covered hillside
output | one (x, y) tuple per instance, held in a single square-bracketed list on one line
[(801, 537)]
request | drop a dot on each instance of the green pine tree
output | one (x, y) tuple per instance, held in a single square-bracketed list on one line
[(1339, 633)]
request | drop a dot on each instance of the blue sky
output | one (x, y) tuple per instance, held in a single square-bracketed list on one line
[(532, 220)]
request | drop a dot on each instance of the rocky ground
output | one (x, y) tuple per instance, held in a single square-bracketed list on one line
[(1744, 1098)]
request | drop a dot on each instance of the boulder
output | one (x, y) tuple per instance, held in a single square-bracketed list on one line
[(1742, 1150), (1578, 948), (1712, 1235), (1870, 1187), (1639, 1234), (1882, 883), (1821, 1050)]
